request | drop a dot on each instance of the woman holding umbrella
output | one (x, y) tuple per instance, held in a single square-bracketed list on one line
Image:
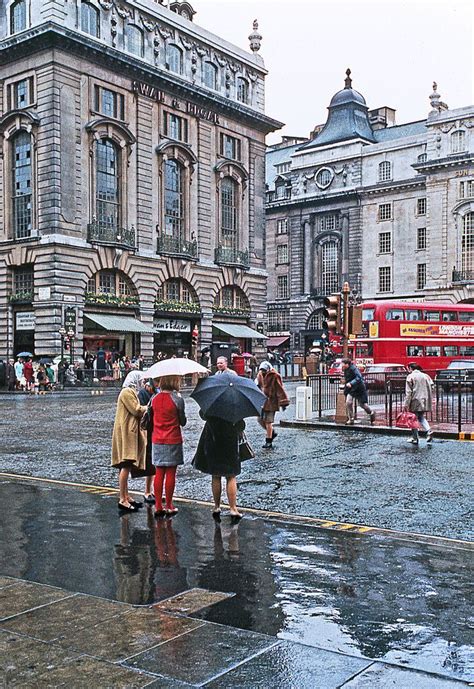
[(225, 400)]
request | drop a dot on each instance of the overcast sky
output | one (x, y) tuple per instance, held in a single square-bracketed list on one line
[(395, 49)]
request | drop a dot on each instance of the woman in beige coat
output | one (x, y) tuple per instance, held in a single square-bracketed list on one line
[(128, 439)]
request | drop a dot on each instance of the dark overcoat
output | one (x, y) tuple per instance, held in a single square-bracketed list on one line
[(218, 448)]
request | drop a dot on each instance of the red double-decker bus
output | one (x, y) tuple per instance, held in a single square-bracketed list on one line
[(400, 332)]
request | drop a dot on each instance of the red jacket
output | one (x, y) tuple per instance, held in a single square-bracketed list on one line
[(168, 417)]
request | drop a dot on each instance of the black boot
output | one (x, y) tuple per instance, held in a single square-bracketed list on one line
[(268, 443)]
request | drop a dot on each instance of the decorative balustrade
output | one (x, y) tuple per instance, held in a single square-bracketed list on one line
[(228, 256), (463, 275), (102, 233), (175, 246)]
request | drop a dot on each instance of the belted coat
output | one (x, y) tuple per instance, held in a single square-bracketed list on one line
[(128, 439)]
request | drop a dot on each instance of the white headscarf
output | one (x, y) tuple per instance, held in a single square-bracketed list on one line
[(133, 380)]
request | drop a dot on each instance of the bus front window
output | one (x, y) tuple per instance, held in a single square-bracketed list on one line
[(368, 314)]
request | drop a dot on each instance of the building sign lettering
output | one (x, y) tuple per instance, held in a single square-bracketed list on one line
[(25, 320), (172, 325), (149, 91)]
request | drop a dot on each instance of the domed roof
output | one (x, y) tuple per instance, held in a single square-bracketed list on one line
[(347, 95)]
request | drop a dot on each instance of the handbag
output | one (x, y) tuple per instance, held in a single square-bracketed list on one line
[(245, 449), (407, 419), (146, 422)]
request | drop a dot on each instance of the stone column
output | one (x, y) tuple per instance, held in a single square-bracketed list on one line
[(307, 263)]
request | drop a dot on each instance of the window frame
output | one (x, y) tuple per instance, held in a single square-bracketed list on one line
[(183, 126), (235, 145), (385, 171), (242, 90), (385, 242), (11, 87), (282, 255), (17, 172), (118, 204), (209, 68), (385, 279), (282, 223), (93, 11), (229, 213), (175, 50), (421, 238), (467, 242), (11, 18), (119, 102), (129, 30), (421, 206), (458, 141), (381, 211), (177, 221), (420, 275), (282, 287)]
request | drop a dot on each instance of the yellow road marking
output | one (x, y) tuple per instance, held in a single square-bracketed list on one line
[(268, 514)]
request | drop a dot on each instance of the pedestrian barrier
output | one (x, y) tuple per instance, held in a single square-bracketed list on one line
[(453, 405)]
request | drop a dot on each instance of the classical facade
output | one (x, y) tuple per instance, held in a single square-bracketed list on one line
[(132, 179), (387, 207)]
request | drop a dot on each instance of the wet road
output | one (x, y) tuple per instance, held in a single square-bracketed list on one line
[(370, 597), (344, 476)]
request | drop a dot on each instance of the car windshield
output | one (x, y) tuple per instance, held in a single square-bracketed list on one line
[(461, 364)]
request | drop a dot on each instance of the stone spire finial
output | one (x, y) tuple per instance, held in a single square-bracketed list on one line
[(348, 80), (255, 38), (435, 100)]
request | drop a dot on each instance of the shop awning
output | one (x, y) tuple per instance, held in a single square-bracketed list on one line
[(239, 331), (277, 341), (118, 324)]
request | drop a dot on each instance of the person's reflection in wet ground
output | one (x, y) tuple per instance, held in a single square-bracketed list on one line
[(133, 561), (169, 577)]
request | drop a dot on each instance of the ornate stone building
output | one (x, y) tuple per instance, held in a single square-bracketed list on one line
[(388, 207), (132, 179)]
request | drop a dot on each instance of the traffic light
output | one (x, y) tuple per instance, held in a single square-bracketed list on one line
[(332, 313), (194, 336)]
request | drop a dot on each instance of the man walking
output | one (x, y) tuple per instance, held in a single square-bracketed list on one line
[(355, 392), (271, 384), (419, 399)]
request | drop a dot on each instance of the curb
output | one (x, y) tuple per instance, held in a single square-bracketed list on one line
[(377, 430)]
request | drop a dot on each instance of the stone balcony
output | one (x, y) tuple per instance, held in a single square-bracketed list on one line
[(463, 276)]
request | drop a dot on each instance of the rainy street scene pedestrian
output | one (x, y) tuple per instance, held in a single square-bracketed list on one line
[(236, 344)]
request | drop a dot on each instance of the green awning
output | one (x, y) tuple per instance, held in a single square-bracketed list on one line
[(240, 331), (118, 324)]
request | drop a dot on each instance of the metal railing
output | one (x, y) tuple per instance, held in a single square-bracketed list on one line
[(463, 275), (103, 233), (453, 403), (175, 246), (229, 256)]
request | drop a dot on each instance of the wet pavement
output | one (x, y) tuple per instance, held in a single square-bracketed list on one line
[(268, 602), (339, 475)]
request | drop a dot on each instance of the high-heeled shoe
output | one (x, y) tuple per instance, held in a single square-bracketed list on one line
[(127, 508)]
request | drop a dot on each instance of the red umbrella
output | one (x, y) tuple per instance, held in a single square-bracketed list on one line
[(247, 355)]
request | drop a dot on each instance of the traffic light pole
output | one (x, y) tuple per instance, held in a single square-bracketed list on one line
[(341, 413)]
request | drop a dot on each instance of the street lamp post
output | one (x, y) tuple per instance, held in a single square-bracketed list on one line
[(71, 334), (62, 333)]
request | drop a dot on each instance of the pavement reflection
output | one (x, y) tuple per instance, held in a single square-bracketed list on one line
[(370, 596)]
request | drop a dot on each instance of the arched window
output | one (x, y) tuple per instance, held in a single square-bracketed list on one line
[(458, 141), (177, 290), (467, 243), (210, 75), (174, 59), (134, 40), (107, 184), (422, 158), (18, 16), (173, 199), (330, 267), (90, 22), (324, 178), (231, 298), (229, 213), (111, 287), (315, 321), (385, 171), (22, 187), (242, 90)]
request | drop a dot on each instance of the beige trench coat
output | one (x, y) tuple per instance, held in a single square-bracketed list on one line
[(418, 392), (128, 439)]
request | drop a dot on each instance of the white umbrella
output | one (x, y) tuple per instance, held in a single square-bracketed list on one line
[(174, 367)]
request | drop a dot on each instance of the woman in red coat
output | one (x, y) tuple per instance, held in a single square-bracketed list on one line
[(28, 373), (167, 441)]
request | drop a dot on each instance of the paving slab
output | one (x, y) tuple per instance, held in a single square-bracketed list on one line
[(7, 581), (65, 616), (292, 666), (24, 595), (85, 672), (127, 634), (379, 676), (202, 654), (191, 601)]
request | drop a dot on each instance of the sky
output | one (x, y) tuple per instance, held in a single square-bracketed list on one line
[(394, 48)]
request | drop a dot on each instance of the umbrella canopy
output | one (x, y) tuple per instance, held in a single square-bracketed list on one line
[(25, 354), (174, 367), (45, 360), (229, 397), (247, 355)]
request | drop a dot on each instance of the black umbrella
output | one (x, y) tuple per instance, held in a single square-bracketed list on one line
[(229, 397), (45, 360)]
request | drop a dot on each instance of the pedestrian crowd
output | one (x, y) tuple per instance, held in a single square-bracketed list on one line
[(147, 437)]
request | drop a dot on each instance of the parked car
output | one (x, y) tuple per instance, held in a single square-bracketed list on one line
[(458, 371), (377, 375)]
